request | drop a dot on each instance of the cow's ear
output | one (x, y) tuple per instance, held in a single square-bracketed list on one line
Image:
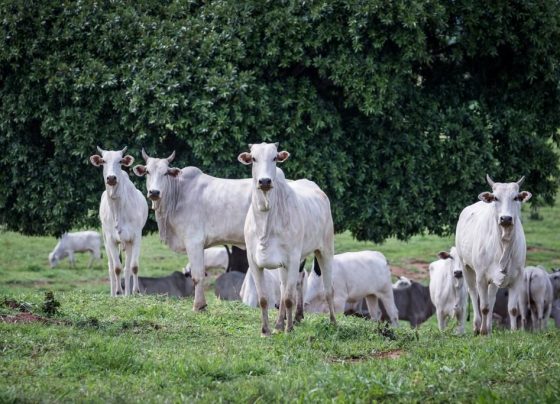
[(140, 170), (96, 160), (173, 171), (245, 158), (282, 156), (444, 255), (127, 160), (523, 196), (487, 197)]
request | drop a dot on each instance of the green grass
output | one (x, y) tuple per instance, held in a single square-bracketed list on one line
[(155, 349)]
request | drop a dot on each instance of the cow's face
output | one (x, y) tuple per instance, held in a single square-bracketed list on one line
[(157, 172), (111, 161), (507, 200), (264, 157), (456, 264), (53, 259)]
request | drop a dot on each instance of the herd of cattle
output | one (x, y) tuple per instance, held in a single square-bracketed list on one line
[(279, 222)]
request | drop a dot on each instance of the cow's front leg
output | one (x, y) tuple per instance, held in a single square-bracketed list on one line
[(258, 277), (195, 252), (300, 294), (470, 278), (280, 320)]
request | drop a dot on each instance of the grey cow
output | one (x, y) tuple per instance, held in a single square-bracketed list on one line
[(177, 284)]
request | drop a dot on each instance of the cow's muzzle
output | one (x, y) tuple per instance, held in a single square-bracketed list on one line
[(112, 180), (506, 221), (153, 194), (265, 184), (458, 274)]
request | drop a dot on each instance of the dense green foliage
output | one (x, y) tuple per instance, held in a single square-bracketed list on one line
[(397, 109)]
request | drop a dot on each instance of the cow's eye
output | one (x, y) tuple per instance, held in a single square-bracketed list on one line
[(254, 160), (496, 199), (147, 172), (275, 158)]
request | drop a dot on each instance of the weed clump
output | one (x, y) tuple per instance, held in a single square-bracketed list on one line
[(50, 304)]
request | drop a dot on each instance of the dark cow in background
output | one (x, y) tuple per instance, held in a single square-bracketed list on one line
[(228, 285), (237, 259), (177, 284), (413, 303)]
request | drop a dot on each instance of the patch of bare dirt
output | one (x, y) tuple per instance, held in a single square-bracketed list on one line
[(22, 318), (392, 354), (540, 249), (418, 273)]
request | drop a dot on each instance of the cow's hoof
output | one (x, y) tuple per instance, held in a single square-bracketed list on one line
[(290, 329), (279, 327), (200, 308)]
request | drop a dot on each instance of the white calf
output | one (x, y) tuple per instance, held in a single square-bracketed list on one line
[(539, 296), (448, 289), (71, 243), (356, 275)]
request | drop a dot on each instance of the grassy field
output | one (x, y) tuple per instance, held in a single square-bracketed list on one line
[(155, 349)]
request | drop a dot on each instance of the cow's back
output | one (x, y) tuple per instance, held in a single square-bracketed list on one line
[(314, 207)]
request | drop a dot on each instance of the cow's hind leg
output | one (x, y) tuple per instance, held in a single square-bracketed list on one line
[(135, 262), (470, 278), (325, 263), (195, 252), (300, 294), (372, 305), (388, 300)]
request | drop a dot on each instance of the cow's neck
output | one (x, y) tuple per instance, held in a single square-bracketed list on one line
[(165, 207), (268, 210)]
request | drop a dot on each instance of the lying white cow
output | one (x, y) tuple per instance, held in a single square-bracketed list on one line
[(271, 290), (70, 243), (123, 212), (491, 244), (356, 275), (272, 285), (286, 222), (448, 290), (539, 296), (214, 257)]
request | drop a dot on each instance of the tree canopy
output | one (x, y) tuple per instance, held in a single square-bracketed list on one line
[(396, 109)]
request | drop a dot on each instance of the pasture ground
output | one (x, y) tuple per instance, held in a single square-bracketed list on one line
[(155, 349)]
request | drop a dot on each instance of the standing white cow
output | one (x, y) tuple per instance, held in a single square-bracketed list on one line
[(195, 211), (80, 241), (491, 244), (448, 290), (286, 222), (539, 296), (123, 212), (355, 276)]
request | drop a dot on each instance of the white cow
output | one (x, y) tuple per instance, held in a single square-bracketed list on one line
[(402, 283), (491, 244), (286, 222), (272, 292), (214, 257), (123, 212), (448, 290), (355, 276), (195, 211), (539, 296), (71, 243)]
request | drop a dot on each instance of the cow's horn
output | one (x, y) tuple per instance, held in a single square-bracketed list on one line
[(123, 151), (170, 158), (490, 181), (521, 181), (145, 155), (277, 144), (100, 150)]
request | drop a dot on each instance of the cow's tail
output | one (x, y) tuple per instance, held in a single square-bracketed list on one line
[(228, 252), (316, 267), (529, 290)]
